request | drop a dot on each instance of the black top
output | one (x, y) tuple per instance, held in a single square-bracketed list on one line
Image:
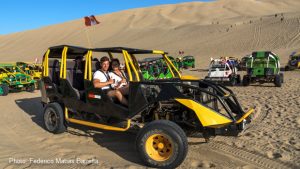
[(76, 51)]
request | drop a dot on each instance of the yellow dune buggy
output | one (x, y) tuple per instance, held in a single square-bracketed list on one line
[(14, 78), (32, 69), (162, 110)]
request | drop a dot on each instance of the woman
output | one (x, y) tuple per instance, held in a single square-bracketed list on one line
[(120, 80)]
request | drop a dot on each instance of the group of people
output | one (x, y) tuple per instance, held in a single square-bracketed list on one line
[(114, 83)]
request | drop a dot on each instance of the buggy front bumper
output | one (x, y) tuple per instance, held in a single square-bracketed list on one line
[(218, 79)]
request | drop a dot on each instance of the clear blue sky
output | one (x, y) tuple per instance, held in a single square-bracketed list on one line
[(21, 15)]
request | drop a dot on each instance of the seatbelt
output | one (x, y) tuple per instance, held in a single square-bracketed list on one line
[(123, 76), (107, 77)]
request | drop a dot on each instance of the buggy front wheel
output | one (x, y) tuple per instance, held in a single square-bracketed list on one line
[(30, 88), (232, 80), (4, 90), (162, 144), (277, 80)]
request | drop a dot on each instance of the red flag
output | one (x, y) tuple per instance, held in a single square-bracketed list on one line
[(90, 20)]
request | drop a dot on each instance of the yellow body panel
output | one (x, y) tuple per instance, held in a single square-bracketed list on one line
[(96, 125), (189, 77), (207, 116)]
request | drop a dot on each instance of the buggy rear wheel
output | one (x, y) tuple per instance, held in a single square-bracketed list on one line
[(277, 80), (162, 144), (246, 80), (54, 118), (281, 77), (4, 90)]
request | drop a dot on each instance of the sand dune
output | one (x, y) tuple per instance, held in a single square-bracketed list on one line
[(201, 29), (212, 29)]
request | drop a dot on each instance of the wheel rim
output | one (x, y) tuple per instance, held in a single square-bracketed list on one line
[(159, 147), (51, 119)]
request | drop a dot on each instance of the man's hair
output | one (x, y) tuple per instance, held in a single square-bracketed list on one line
[(104, 59)]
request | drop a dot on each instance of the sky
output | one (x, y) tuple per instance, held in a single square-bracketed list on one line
[(22, 15)]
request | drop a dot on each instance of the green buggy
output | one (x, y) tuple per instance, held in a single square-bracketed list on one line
[(14, 78), (294, 62), (263, 67), (155, 68), (188, 61)]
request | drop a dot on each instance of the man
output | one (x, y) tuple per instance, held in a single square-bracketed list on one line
[(102, 80)]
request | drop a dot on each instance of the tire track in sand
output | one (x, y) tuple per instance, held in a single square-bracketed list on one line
[(296, 37)]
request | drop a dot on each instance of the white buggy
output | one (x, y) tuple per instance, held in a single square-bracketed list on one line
[(223, 71)]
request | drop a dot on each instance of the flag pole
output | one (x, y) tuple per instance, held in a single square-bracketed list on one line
[(90, 21), (88, 37)]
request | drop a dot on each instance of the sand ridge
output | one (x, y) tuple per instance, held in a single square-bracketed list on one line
[(224, 27)]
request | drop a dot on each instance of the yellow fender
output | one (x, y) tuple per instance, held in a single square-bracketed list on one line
[(207, 116)]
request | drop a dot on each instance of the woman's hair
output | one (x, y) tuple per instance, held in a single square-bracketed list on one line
[(115, 63)]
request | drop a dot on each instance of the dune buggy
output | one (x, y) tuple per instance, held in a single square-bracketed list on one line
[(223, 71), (188, 62), (13, 78), (154, 68), (242, 63), (294, 62), (263, 67), (32, 69), (162, 111)]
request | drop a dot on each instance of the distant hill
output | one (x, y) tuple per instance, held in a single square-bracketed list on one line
[(202, 29)]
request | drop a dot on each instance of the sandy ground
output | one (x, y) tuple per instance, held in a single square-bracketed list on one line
[(221, 28), (271, 141)]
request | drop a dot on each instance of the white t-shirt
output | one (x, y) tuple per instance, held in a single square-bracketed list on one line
[(117, 79), (102, 77)]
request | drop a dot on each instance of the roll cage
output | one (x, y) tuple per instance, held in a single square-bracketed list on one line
[(65, 52), (262, 58)]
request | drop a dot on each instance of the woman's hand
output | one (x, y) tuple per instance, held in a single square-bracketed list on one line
[(123, 80)]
